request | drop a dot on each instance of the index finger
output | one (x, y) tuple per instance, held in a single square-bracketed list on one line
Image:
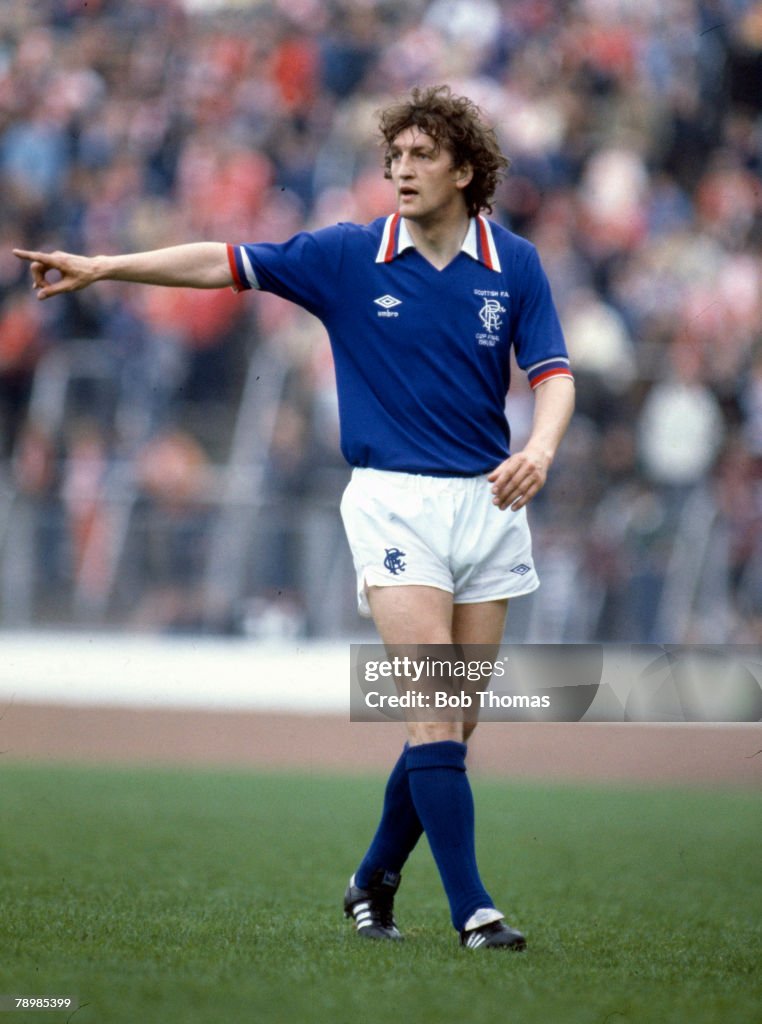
[(25, 254)]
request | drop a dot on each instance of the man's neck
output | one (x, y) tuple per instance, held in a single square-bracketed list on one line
[(439, 242)]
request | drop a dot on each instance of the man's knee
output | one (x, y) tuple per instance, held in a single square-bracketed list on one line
[(468, 728), (435, 732)]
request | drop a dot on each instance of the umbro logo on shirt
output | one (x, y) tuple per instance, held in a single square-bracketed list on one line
[(387, 304)]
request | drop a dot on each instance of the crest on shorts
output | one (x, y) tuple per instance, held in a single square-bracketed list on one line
[(393, 561)]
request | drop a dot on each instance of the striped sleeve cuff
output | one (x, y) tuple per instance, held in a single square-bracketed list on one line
[(241, 269), (542, 371)]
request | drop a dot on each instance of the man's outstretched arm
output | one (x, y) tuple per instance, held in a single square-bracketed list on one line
[(196, 265)]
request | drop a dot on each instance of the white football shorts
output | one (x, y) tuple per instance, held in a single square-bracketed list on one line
[(405, 529)]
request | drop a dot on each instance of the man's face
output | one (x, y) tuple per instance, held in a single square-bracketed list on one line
[(428, 187)]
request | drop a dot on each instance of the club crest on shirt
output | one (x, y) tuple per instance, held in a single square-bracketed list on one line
[(491, 316)]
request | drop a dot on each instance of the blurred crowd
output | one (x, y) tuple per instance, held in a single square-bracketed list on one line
[(634, 128)]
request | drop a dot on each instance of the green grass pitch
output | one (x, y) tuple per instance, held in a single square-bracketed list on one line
[(207, 896)]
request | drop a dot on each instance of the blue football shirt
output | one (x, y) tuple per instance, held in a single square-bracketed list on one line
[(421, 355)]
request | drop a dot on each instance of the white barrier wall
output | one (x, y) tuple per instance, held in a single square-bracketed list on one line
[(153, 672)]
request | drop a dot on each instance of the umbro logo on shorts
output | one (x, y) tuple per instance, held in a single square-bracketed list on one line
[(521, 569)]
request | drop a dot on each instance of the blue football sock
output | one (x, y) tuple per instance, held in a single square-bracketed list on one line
[(442, 796), (398, 831)]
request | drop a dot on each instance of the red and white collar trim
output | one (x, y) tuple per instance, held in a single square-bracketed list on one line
[(479, 242)]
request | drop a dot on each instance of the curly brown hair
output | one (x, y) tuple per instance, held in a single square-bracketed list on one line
[(457, 123)]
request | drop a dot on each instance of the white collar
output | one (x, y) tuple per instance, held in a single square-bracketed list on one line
[(479, 242)]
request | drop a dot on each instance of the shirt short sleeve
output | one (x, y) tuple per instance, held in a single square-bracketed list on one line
[(538, 339), (304, 270)]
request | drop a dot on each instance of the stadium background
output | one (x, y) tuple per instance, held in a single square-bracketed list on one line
[(169, 460)]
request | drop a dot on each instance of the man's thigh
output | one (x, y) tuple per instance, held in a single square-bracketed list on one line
[(426, 615), (482, 622), (411, 614)]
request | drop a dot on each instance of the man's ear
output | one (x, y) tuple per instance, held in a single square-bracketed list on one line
[(463, 176)]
